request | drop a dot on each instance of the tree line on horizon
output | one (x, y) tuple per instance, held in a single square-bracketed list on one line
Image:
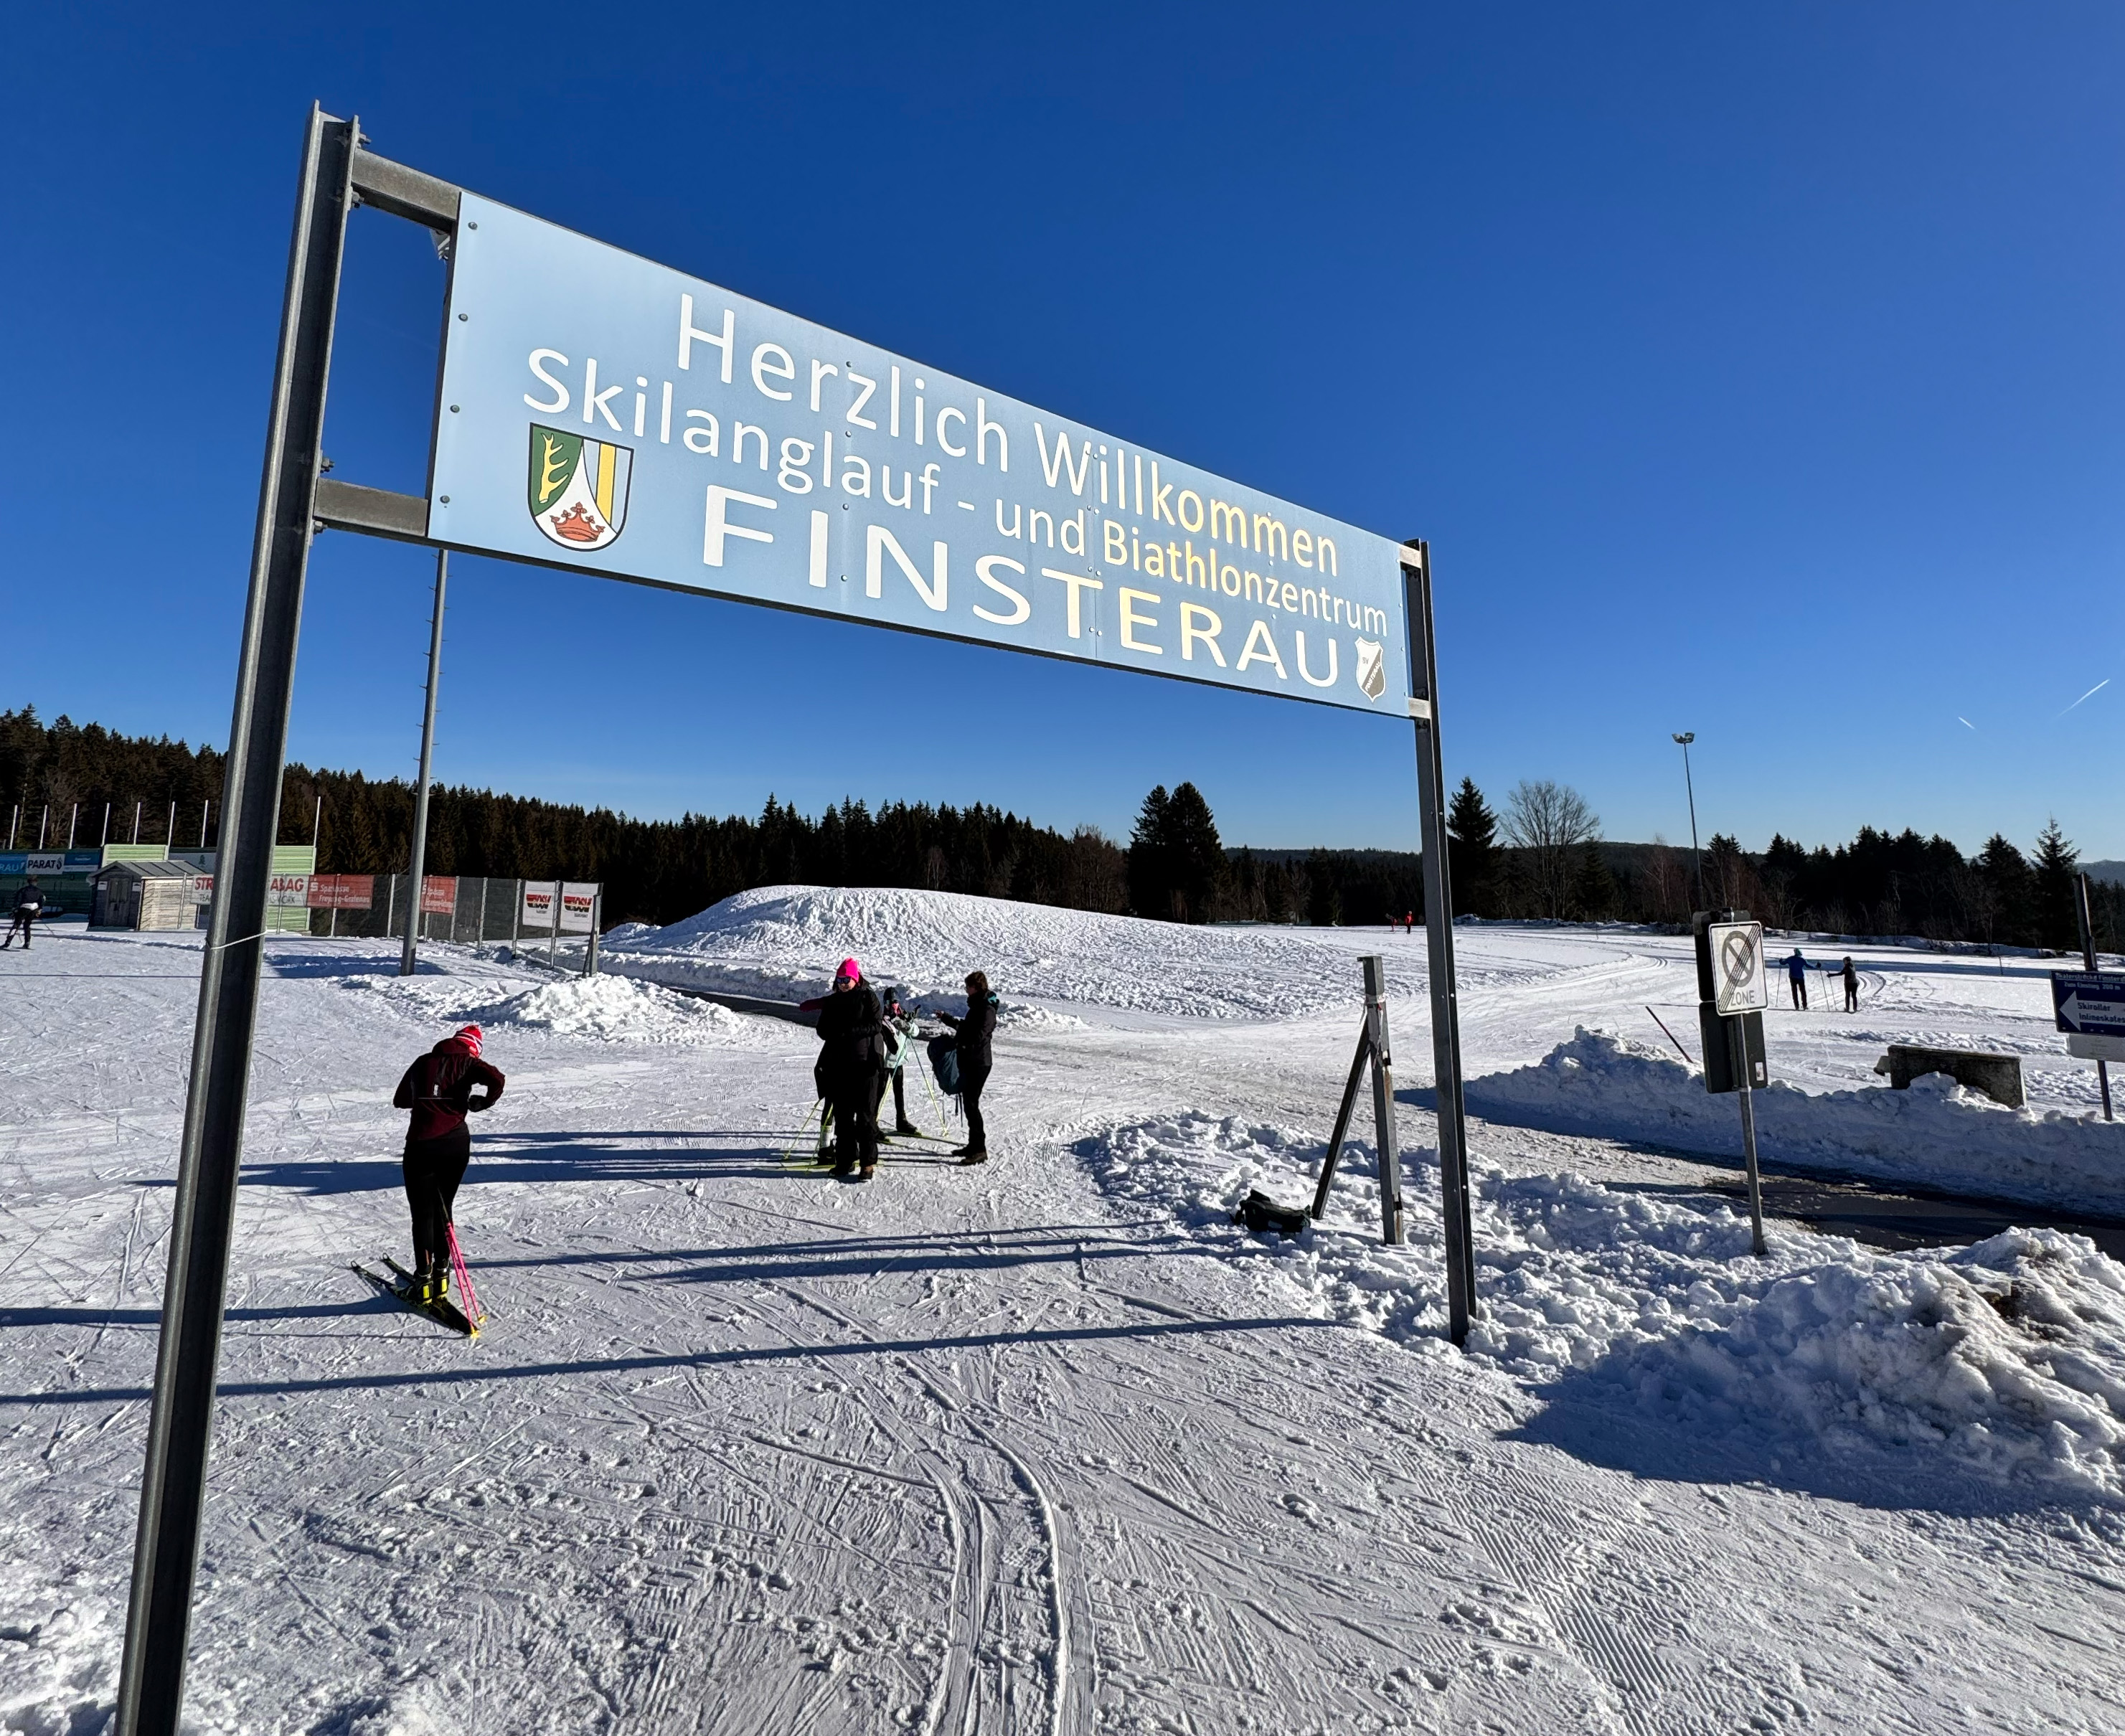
[(1539, 854)]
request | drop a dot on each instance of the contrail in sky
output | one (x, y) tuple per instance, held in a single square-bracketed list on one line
[(1966, 722), (2090, 694)]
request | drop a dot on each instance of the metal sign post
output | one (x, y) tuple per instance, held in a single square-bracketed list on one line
[(173, 1485), (2088, 958), (420, 867), (1373, 1052), (1438, 937), (1734, 991)]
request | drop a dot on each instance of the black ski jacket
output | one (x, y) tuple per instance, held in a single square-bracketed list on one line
[(30, 899), (853, 1043), (975, 1031)]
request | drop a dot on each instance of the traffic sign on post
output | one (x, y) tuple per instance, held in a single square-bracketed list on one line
[(2090, 1002), (1738, 983)]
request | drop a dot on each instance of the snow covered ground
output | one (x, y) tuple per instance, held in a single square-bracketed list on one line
[(1049, 1444)]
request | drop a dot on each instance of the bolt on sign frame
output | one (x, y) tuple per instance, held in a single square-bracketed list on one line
[(705, 458)]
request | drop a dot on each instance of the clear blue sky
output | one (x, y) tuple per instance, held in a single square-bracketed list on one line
[(1756, 371)]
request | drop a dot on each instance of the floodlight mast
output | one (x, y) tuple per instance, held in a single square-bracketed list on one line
[(1683, 741)]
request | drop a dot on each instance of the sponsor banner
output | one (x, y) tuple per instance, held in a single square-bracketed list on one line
[(439, 895), (603, 413), (578, 899), (537, 914), (342, 892), (288, 891), (202, 889), (49, 862)]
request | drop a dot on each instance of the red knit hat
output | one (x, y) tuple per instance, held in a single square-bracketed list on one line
[(469, 1035), (849, 971)]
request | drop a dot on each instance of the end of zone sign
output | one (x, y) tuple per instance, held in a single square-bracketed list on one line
[(608, 414)]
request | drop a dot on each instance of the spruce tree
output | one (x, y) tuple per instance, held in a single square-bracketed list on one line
[(1150, 866), (1195, 856), (2058, 921), (1472, 851)]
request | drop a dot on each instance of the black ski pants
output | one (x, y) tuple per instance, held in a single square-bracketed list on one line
[(1851, 997), (970, 1098), (856, 1119), (23, 922), (1798, 985), (434, 1167)]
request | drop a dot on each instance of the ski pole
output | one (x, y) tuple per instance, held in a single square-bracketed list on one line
[(789, 1151), (472, 1310)]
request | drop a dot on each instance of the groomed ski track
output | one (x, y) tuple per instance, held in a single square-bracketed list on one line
[(958, 1450)]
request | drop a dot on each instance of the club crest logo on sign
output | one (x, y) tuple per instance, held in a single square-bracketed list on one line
[(577, 488), (1372, 670)]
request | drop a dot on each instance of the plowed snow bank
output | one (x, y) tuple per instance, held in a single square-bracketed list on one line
[(1935, 1135), (604, 1008), (2008, 1356)]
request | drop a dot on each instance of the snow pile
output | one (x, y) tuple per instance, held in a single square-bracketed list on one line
[(616, 1010), (600, 1008), (1935, 1135), (2007, 1356), (783, 942)]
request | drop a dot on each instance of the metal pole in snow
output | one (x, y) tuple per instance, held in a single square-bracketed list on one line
[(420, 866), (43, 820), (1738, 1034), (73, 820), (136, 822), (1461, 1306), (2087, 962), (181, 1420)]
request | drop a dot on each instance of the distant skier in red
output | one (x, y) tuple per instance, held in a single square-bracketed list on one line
[(438, 1088)]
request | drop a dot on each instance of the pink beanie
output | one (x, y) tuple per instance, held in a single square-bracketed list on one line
[(848, 971)]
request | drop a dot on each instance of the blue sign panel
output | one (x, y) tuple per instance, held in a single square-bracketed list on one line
[(49, 862), (2089, 1001), (603, 413)]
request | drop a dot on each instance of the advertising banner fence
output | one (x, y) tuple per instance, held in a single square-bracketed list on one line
[(608, 414), (341, 891), (288, 891), (536, 916), (439, 895), (578, 901)]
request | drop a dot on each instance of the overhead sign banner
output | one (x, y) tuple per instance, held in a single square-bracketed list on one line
[(603, 412)]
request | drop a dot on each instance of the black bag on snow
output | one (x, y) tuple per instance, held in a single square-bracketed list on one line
[(1261, 1214)]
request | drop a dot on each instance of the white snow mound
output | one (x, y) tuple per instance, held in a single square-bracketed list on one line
[(1936, 1134), (602, 1008), (783, 942), (2007, 1356)]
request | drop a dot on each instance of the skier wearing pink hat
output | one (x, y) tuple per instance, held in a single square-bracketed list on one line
[(438, 1088), (853, 1045)]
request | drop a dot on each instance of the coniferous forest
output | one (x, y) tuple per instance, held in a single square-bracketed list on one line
[(1538, 854)]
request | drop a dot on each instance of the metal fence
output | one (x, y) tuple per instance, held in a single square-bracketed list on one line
[(467, 909)]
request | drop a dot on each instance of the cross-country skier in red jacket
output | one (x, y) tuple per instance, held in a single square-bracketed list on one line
[(438, 1088)]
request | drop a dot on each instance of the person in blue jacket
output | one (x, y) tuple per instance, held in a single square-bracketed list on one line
[(1797, 980)]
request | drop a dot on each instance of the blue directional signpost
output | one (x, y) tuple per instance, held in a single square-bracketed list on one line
[(2090, 1006)]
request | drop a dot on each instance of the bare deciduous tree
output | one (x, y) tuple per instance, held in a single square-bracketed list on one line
[(1550, 823)]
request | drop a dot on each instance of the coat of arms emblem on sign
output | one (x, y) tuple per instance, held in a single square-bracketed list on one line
[(577, 488)]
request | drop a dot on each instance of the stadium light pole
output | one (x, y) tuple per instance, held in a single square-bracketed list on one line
[(1683, 740)]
